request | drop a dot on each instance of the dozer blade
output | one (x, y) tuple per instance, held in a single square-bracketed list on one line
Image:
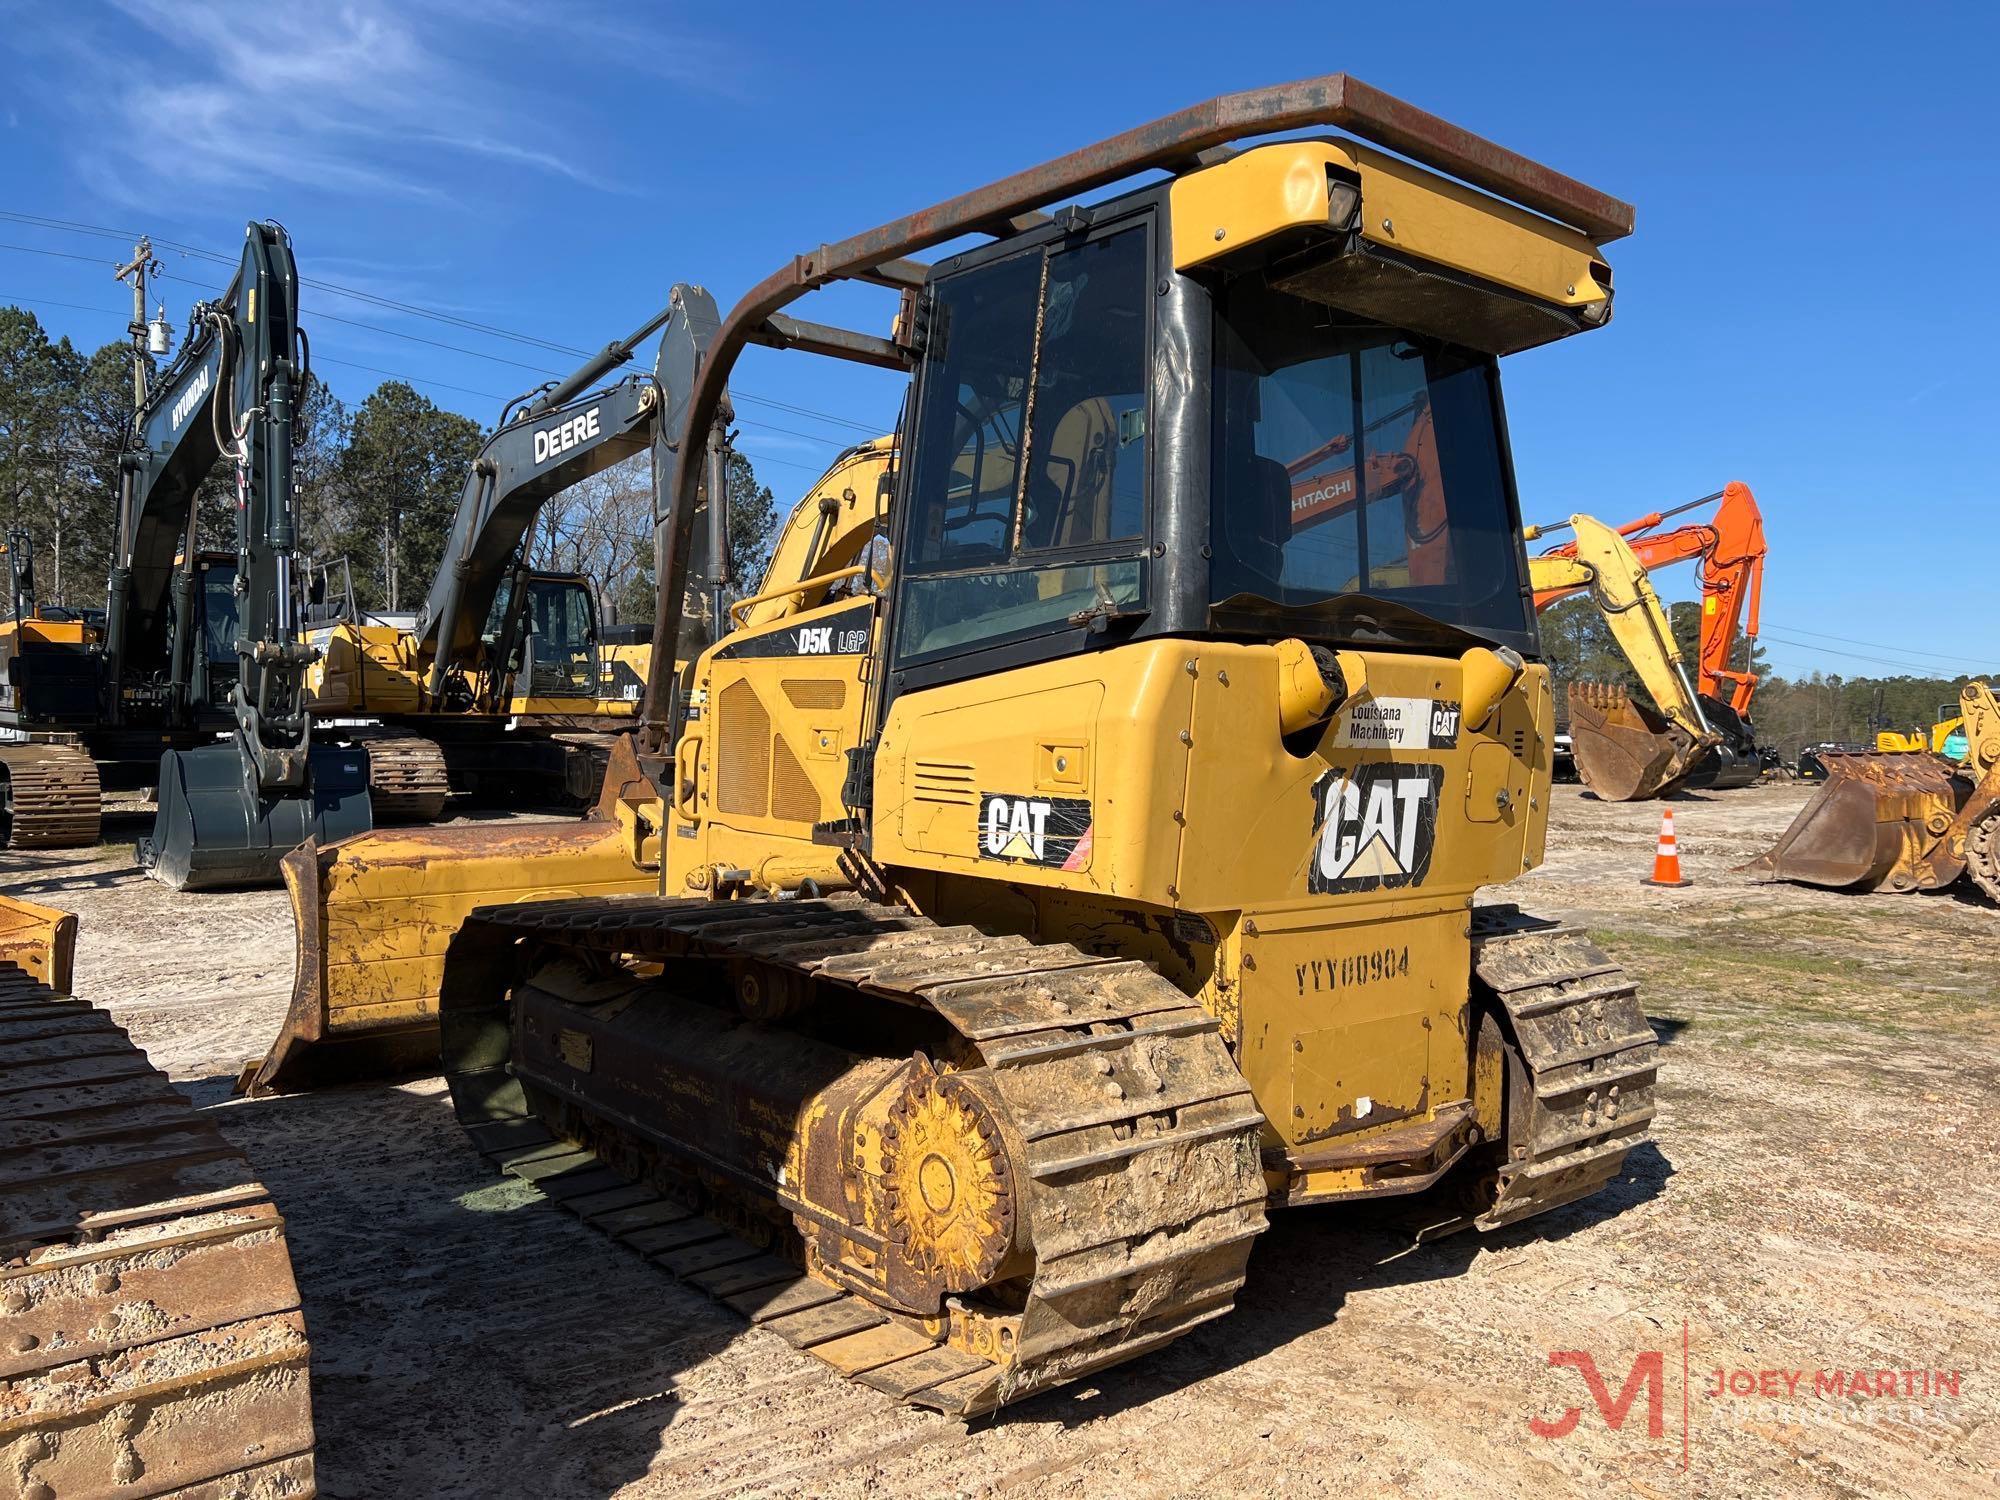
[(216, 829), (374, 914), (1870, 825), (1625, 750)]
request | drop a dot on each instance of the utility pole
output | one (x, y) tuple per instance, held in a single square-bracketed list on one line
[(147, 338)]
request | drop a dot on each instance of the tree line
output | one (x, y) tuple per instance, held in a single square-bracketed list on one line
[(1789, 712), (378, 484)]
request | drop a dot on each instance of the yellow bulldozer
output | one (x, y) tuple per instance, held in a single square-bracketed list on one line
[(1071, 853), (1903, 821)]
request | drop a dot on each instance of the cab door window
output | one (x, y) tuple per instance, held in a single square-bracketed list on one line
[(1029, 493)]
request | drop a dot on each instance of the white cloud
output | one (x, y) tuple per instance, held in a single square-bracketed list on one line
[(363, 97)]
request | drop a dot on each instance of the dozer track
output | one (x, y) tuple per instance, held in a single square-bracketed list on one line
[(1585, 1061), (407, 782), (1097, 1124), (150, 1335), (50, 797)]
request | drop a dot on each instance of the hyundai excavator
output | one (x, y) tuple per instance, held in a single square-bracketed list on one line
[(1691, 734), (151, 1341), (1040, 899), (193, 644), (1902, 821)]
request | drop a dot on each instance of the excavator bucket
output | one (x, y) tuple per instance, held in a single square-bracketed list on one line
[(1625, 750), (216, 828), (374, 914), (1871, 826)]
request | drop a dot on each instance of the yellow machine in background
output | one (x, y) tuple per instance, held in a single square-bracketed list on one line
[(374, 913), (1049, 891)]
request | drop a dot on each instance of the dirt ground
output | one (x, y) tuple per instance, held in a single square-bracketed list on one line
[(1824, 1198)]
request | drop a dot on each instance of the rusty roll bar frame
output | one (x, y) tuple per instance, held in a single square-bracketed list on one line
[(1175, 140)]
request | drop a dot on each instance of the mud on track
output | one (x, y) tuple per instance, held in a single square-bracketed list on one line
[(1824, 1195)]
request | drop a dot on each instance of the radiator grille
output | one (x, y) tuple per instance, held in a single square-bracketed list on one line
[(743, 752), (941, 781), (793, 796), (807, 692)]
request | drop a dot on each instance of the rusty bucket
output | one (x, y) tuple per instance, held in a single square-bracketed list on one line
[(1626, 750), (1871, 825)]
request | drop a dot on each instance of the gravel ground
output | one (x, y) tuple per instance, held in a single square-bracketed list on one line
[(1823, 1197)]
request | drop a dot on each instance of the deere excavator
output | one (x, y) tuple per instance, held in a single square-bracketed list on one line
[(193, 644), (1079, 858), (496, 683), (150, 1335), (502, 668), (1902, 821), (1691, 734)]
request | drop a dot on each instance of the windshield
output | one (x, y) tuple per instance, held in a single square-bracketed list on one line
[(1351, 459), (562, 629)]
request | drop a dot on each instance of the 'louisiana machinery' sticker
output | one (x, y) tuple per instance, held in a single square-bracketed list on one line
[(1035, 830), (1374, 825), (1398, 724)]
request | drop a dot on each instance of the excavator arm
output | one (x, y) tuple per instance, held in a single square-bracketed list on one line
[(559, 437), (227, 812), (1728, 550), (1624, 751)]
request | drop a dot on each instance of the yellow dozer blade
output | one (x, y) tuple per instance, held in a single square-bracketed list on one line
[(1625, 750), (374, 913), (39, 941), (1902, 821)]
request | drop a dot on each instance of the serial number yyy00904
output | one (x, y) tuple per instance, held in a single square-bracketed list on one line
[(1318, 976)]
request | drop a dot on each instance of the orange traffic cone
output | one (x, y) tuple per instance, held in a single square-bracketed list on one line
[(1667, 857)]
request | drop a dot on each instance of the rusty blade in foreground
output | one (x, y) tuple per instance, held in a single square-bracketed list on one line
[(150, 1335), (1625, 750)]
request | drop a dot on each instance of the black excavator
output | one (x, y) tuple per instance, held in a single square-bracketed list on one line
[(193, 645), (233, 393)]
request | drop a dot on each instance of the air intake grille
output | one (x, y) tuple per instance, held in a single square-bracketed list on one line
[(793, 796), (743, 752), (946, 782), (805, 692)]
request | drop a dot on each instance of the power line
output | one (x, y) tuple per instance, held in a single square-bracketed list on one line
[(1914, 669), (1885, 646), (472, 325)]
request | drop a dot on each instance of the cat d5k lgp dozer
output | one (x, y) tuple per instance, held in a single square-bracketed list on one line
[(1091, 867)]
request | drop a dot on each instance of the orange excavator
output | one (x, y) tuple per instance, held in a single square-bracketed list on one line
[(1627, 749)]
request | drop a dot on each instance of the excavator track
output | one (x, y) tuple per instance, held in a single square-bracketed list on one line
[(407, 782), (1138, 1185), (49, 797), (150, 1335), (1584, 1061)]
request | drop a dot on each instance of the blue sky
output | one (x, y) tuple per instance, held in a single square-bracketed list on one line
[(1807, 304)]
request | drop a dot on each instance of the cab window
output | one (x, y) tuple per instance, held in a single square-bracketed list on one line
[(1028, 498)]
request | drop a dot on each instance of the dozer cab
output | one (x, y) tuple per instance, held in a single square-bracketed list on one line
[(1087, 867), (1902, 821)]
